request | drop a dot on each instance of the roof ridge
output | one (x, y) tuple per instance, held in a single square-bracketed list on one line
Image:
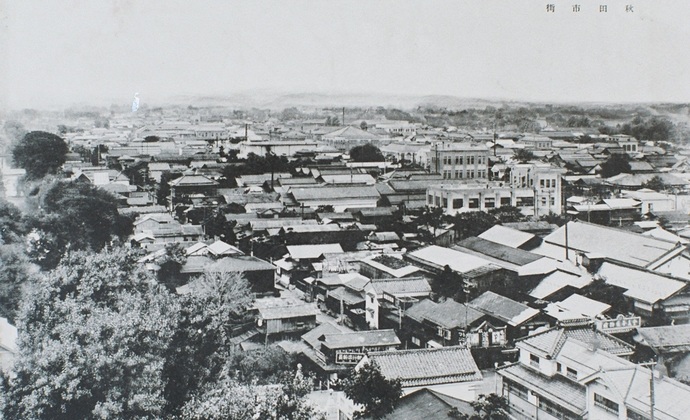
[(424, 350)]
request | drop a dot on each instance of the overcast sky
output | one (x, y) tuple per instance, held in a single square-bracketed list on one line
[(60, 52)]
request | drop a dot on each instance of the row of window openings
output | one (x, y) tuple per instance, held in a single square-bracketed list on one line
[(472, 203), (459, 160), (448, 174)]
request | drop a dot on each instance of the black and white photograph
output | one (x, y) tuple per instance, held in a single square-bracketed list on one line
[(340, 210)]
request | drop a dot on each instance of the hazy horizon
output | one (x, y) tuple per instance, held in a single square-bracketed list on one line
[(63, 53)]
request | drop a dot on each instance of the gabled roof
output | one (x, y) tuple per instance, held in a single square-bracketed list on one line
[(447, 314), (577, 306), (402, 286), (350, 133), (299, 252), (335, 193), (631, 383), (427, 404), (327, 328), (501, 252), (619, 245), (640, 284), (288, 311), (556, 281), (438, 257), (550, 342), (507, 236), (557, 388), (192, 180), (506, 310), (370, 338), (424, 367), (666, 339)]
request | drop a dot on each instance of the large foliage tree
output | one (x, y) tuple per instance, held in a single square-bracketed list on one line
[(472, 223), (366, 153), (72, 215), (614, 165), (40, 153), (376, 393), (16, 271), (93, 337)]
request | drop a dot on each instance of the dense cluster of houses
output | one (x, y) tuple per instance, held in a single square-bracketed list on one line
[(561, 313)]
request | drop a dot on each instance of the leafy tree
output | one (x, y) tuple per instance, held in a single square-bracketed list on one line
[(507, 214), (94, 335), (554, 218), (13, 225), (448, 284), (40, 153), (472, 223), (332, 121), (214, 310), (16, 272), (163, 190), (369, 388), (170, 265), (73, 215), (523, 155), (655, 183), (614, 165), (366, 153), (363, 125), (230, 399), (486, 407)]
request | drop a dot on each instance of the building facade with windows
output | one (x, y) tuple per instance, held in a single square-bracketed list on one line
[(460, 160)]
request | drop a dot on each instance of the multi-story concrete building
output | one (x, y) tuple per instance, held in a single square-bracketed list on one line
[(460, 160), (534, 188)]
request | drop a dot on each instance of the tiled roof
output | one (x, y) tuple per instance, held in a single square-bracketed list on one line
[(448, 314), (192, 180), (289, 311), (423, 367), (560, 390), (313, 251), (427, 404), (241, 263), (506, 310), (327, 328), (335, 193), (550, 342), (670, 338), (371, 338), (347, 295), (418, 285)]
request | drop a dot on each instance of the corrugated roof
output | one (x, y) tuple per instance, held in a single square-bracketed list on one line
[(440, 257), (506, 310), (448, 314), (312, 251), (501, 252), (619, 245), (506, 236), (640, 284), (424, 367)]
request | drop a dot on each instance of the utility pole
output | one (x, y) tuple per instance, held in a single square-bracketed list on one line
[(343, 116)]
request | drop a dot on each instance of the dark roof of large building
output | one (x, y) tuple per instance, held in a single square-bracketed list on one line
[(506, 310), (669, 338), (335, 193), (448, 314), (423, 367), (499, 251), (372, 338), (427, 404)]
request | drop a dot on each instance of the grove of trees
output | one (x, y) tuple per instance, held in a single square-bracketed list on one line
[(40, 153)]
